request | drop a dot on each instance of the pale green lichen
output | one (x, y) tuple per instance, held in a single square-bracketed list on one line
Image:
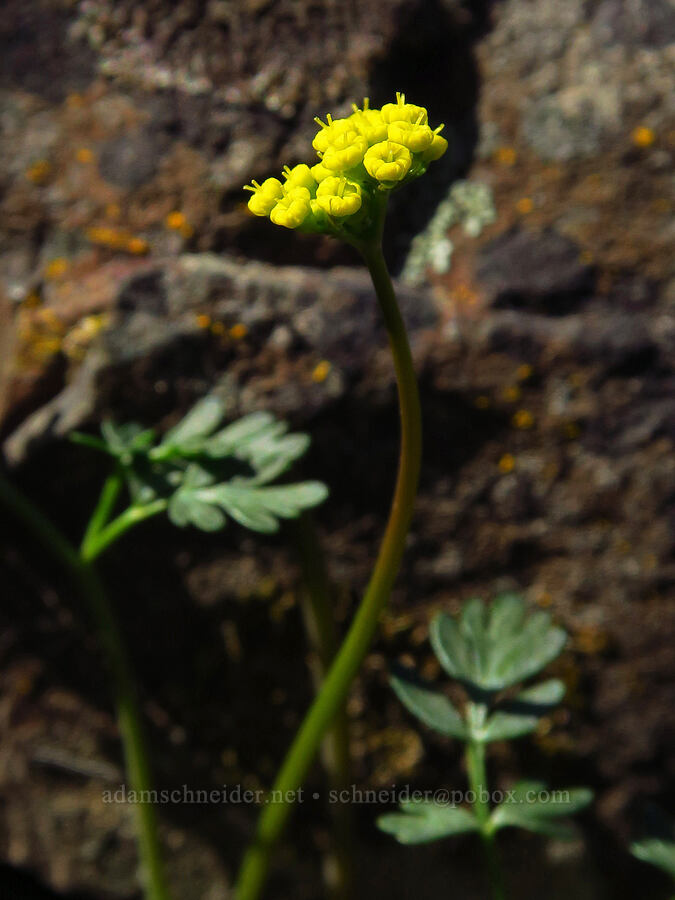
[(469, 204)]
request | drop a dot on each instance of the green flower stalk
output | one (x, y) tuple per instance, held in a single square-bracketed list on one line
[(362, 158)]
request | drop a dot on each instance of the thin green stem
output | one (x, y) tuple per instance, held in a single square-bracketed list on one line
[(317, 608), (478, 783), (104, 507), (84, 575), (101, 540), (303, 750)]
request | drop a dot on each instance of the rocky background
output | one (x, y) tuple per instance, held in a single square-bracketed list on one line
[(133, 280)]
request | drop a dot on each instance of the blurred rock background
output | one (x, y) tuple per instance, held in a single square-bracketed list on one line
[(132, 280)]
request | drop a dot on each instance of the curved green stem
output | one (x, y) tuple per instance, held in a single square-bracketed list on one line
[(321, 714), (81, 570)]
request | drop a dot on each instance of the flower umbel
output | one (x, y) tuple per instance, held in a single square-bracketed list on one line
[(362, 157)]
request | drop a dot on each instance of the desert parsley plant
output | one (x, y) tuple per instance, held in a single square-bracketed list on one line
[(361, 159), (199, 473), (490, 651)]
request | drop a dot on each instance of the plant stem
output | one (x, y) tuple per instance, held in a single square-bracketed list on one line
[(253, 873), (317, 610), (81, 569), (477, 774), (105, 505), (100, 540)]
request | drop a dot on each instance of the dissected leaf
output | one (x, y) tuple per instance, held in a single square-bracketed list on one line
[(422, 822), (126, 439), (430, 706), (532, 806), (186, 509), (255, 507), (657, 851), (491, 648), (527, 651), (197, 425), (520, 716)]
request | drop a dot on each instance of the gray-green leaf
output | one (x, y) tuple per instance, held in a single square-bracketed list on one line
[(530, 805), (520, 716), (430, 706), (658, 852), (493, 647), (422, 822)]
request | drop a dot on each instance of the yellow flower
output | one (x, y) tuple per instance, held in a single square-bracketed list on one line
[(403, 112), (319, 172), (388, 161), (345, 151), (338, 196), (292, 209), (414, 136), (265, 196), (369, 123), (436, 149), (329, 131), (299, 176)]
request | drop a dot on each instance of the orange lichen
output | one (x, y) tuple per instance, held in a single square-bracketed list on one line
[(176, 221), (137, 246), (84, 155), (507, 463), (39, 171), (238, 331), (56, 268), (506, 156), (321, 371), (512, 393), (642, 136), (523, 419), (117, 240), (218, 328), (203, 321), (74, 101), (482, 402), (524, 371), (524, 205)]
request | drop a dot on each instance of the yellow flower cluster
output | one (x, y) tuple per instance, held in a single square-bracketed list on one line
[(360, 156)]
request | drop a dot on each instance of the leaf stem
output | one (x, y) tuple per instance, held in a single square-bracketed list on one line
[(478, 783), (79, 566), (253, 872), (104, 507), (102, 539)]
